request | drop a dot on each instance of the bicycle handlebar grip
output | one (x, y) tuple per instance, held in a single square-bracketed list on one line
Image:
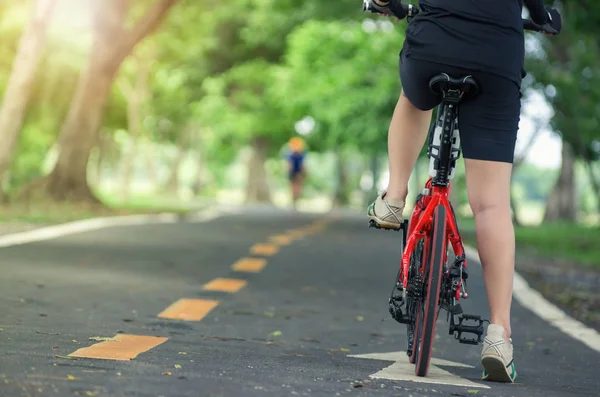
[(528, 24)]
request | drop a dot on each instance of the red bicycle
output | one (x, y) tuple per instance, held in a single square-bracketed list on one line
[(426, 281)]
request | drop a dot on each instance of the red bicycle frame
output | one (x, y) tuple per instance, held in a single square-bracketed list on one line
[(420, 224)]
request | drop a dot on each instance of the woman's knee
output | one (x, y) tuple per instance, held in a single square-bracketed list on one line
[(488, 185)]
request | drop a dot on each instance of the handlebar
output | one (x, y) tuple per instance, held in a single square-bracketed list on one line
[(411, 11)]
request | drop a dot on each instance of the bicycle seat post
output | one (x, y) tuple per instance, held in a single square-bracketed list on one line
[(444, 138)]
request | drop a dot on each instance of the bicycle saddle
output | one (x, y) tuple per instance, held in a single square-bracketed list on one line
[(444, 82)]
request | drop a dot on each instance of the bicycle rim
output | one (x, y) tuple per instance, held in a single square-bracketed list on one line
[(429, 303)]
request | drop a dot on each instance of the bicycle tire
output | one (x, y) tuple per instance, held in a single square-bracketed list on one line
[(429, 305)]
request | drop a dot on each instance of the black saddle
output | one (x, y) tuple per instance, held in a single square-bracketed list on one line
[(442, 83)]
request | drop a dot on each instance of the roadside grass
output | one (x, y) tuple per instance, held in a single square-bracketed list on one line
[(575, 242), (48, 212)]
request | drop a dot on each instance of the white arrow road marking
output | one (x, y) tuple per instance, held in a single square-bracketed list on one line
[(402, 369)]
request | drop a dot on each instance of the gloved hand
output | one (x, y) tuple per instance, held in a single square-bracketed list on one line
[(555, 19), (388, 7)]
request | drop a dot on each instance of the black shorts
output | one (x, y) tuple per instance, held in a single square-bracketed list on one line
[(488, 123)]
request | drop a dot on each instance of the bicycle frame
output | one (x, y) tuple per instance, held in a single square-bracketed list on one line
[(436, 193), (420, 222)]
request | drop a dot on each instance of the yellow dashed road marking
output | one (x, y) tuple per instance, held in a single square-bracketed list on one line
[(296, 234), (225, 285), (189, 309), (281, 239), (251, 265), (264, 249), (123, 347)]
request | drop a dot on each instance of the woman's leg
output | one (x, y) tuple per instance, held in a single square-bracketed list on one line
[(488, 128), (488, 188), (406, 136)]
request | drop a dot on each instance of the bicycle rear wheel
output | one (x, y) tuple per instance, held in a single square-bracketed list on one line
[(427, 308)]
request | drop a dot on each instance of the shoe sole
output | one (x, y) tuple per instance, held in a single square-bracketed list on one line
[(496, 370), (384, 224)]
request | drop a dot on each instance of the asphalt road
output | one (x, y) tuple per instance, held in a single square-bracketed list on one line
[(290, 324)]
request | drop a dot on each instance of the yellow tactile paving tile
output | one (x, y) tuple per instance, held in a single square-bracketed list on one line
[(250, 265), (189, 309), (225, 285), (281, 239), (122, 347), (264, 249)]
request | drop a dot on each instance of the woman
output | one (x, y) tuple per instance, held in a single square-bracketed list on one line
[(484, 39)]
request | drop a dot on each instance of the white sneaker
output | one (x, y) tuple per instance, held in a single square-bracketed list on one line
[(386, 212), (497, 356)]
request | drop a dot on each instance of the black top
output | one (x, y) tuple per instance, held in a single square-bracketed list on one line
[(484, 35)]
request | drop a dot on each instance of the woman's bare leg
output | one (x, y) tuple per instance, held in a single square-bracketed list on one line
[(488, 188), (406, 137)]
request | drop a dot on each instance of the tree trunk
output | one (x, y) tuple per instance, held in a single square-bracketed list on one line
[(198, 184), (136, 95), (561, 201), (152, 159), (172, 184), (22, 77), (373, 164), (102, 148), (257, 188), (594, 182), (113, 41), (518, 161), (341, 193), (68, 180)]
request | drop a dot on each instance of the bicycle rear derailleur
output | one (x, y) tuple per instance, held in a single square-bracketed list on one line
[(460, 328)]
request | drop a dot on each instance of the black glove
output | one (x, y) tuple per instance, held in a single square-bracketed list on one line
[(392, 8), (555, 19)]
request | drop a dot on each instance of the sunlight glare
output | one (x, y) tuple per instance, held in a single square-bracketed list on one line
[(72, 21)]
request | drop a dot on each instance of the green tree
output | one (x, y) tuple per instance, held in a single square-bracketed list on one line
[(113, 42)]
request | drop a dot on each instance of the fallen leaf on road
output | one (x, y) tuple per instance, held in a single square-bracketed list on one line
[(71, 377), (177, 366), (345, 350), (270, 314), (102, 339), (65, 357), (275, 334), (473, 391), (91, 393), (360, 318), (167, 373), (118, 374), (182, 353)]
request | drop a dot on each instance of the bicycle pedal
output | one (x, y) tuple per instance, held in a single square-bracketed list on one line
[(460, 328), (376, 225)]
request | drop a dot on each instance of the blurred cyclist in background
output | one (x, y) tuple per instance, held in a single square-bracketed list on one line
[(296, 169)]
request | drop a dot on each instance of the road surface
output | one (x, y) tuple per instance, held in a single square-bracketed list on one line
[(261, 302)]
